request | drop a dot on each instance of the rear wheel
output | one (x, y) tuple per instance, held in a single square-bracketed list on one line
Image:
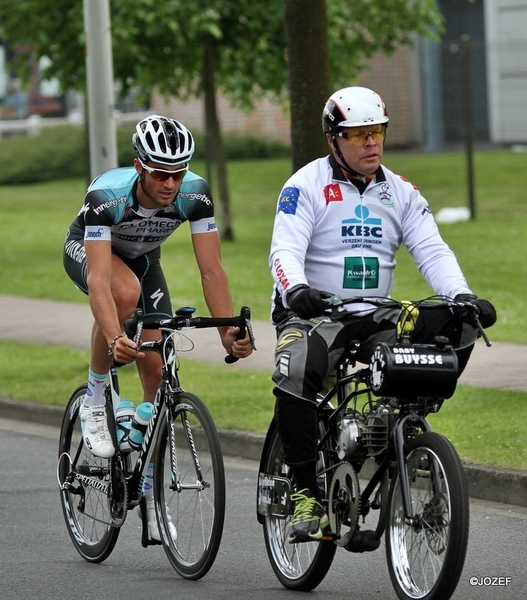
[(426, 555), (192, 493), (85, 489), (297, 566)]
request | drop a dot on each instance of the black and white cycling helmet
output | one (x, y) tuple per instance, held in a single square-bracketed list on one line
[(353, 107), (163, 140)]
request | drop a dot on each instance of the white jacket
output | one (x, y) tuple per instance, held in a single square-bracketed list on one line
[(333, 238)]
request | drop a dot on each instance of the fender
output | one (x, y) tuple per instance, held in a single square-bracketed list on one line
[(270, 433)]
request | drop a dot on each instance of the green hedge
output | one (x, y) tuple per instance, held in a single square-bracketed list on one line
[(61, 153)]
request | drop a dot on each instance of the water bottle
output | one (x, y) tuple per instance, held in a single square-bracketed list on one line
[(124, 413), (139, 425)]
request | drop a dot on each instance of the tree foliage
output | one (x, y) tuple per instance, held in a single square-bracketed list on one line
[(159, 45), (234, 47)]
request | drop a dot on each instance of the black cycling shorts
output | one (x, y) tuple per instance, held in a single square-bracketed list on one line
[(155, 297)]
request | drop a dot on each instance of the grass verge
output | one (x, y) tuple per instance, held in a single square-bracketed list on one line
[(485, 425)]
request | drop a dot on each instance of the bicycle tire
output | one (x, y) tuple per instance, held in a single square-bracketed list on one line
[(85, 507), (302, 566), (196, 503), (425, 559)]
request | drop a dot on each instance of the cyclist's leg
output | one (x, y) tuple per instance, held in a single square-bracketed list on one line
[(154, 300), (125, 290), (303, 359)]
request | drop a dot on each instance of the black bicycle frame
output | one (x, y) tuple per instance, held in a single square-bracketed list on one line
[(343, 400), (134, 477)]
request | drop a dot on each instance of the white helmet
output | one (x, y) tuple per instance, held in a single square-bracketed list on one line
[(163, 140), (352, 107)]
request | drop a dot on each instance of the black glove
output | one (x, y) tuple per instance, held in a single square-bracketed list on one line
[(307, 302), (486, 311)]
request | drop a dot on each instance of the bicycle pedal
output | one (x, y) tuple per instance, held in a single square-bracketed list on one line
[(151, 542), (363, 541), (328, 537)]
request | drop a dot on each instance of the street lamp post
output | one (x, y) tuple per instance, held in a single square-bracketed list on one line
[(99, 85)]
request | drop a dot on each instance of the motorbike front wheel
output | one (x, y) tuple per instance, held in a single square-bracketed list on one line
[(426, 552)]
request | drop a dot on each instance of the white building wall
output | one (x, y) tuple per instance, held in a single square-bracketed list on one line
[(506, 35)]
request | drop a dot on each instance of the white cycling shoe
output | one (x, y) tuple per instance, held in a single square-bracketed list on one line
[(95, 432), (153, 528)]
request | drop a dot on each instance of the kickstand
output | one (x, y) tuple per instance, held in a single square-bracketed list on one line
[(145, 540)]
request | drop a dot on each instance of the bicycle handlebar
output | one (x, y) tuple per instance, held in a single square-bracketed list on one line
[(136, 323), (468, 311)]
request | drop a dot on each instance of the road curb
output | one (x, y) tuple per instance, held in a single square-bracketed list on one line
[(496, 484)]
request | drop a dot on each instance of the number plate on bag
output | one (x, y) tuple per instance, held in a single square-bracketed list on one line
[(273, 495)]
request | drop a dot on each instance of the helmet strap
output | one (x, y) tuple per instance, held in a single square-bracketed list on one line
[(341, 156)]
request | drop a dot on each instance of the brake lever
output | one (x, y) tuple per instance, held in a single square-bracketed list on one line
[(245, 315), (139, 330), (482, 332), (473, 311), (133, 326)]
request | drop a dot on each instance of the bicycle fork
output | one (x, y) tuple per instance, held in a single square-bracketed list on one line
[(402, 464)]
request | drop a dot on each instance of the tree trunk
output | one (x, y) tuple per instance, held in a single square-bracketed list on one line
[(215, 147), (309, 81)]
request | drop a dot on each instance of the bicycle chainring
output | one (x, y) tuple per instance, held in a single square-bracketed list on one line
[(118, 503), (344, 503)]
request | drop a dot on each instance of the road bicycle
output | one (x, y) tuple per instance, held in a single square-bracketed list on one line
[(182, 442), (372, 424)]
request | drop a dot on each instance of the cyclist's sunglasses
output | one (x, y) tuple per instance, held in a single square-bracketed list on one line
[(162, 175), (378, 134)]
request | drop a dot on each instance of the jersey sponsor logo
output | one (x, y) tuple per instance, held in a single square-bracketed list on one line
[(138, 239), (211, 227), (150, 226), (362, 230), (289, 338), (361, 273), (385, 195), (333, 193), (75, 250), (193, 196), (109, 204), (156, 297), (288, 200), (280, 274), (96, 233)]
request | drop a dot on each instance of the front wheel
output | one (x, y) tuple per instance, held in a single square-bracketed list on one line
[(189, 486), (297, 566), (426, 553), (85, 489)]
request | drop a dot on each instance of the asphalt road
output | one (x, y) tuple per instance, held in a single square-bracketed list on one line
[(37, 558)]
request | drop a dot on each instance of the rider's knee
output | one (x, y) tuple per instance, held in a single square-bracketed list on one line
[(126, 299)]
